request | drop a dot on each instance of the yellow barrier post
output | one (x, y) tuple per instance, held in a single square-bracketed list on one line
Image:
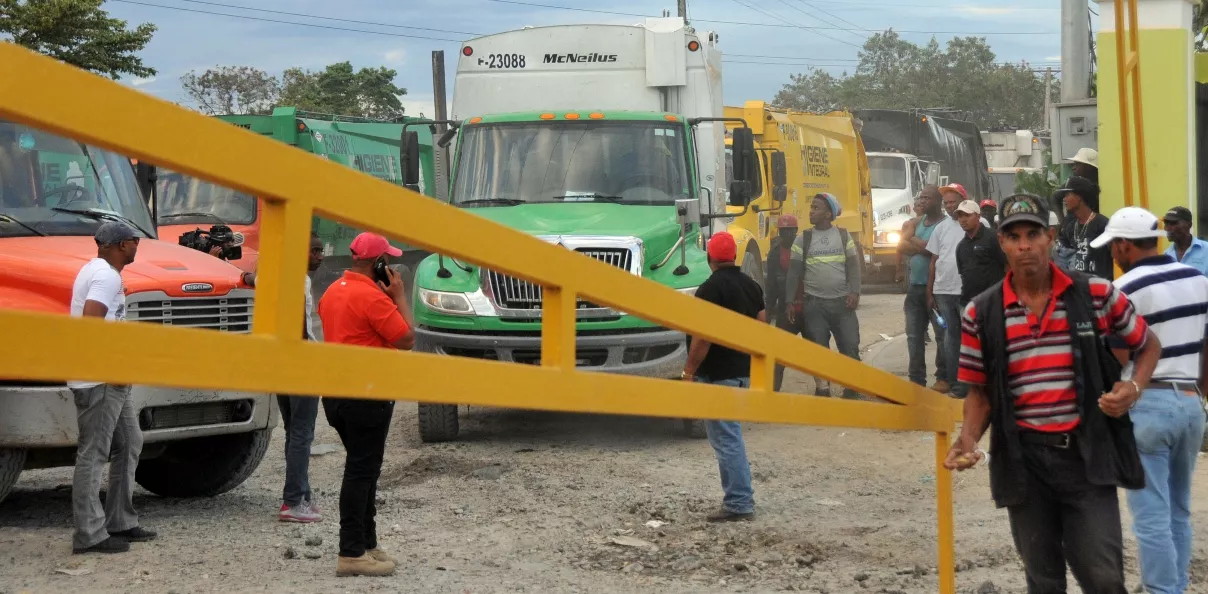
[(945, 524), (275, 359)]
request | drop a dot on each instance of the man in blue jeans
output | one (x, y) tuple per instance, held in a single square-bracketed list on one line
[(1168, 420), (915, 234), (716, 364), (944, 286)]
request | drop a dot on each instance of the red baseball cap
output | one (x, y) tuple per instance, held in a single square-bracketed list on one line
[(959, 189), (371, 246), (786, 221), (722, 247), (988, 202)]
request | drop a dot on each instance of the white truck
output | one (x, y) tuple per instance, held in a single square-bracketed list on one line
[(896, 179), (606, 139), (1009, 153)]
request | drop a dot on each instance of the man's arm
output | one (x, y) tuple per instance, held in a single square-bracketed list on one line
[(853, 264), (95, 309), (931, 282), (1131, 328), (103, 289), (696, 355), (963, 453), (908, 246), (391, 318)]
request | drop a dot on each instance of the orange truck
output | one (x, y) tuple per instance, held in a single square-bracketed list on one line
[(54, 193)]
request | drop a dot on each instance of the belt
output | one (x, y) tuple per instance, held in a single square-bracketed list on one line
[(1188, 388), (1053, 440)]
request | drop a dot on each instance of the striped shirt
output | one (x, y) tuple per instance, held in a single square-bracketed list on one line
[(1173, 299), (1040, 356)]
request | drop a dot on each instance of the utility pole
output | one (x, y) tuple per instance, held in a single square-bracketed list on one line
[(1075, 50), (681, 9), (1048, 98), (441, 113)]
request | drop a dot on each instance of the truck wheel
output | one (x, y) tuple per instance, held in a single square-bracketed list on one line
[(12, 461), (752, 266), (437, 422), (204, 466), (695, 429)]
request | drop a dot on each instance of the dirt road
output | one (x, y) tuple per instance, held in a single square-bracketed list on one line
[(540, 502)]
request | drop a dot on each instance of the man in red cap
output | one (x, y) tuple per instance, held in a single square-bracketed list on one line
[(716, 364), (989, 212), (359, 310), (777, 300)]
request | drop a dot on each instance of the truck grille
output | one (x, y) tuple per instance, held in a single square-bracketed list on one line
[(514, 293), (230, 313)]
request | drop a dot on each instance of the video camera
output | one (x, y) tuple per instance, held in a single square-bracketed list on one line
[(218, 235)]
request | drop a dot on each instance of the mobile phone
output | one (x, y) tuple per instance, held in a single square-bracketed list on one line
[(379, 272)]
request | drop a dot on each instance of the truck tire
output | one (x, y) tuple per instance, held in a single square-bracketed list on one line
[(438, 422), (695, 429), (12, 461), (204, 466), (752, 265)]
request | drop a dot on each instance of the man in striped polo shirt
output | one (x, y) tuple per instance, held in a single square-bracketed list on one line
[(1045, 385), (1168, 420)]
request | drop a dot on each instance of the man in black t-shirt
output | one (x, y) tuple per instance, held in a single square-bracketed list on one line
[(1080, 197), (716, 364), (979, 257)]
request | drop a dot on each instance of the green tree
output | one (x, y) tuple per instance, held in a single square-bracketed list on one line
[(232, 90), (894, 73), (338, 89), (79, 33)]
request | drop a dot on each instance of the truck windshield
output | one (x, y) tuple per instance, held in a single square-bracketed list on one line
[(50, 185), (186, 200), (625, 162), (888, 173), (1003, 183)]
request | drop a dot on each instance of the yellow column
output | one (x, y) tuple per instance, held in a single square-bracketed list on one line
[(1167, 105)]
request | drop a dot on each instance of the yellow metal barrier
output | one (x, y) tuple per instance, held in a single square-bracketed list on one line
[(1128, 72), (44, 93)]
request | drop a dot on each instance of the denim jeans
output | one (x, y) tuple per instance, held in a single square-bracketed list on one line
[(794, 329), (363, 426), (731, 452), (1169, 427), (918, 315), (108, 425), (831, 317), (950, 307), (298, 415)]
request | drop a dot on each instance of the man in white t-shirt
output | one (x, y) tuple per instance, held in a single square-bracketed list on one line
[(105, 413), (944, 286)]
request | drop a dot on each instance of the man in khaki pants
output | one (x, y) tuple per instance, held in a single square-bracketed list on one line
[(104, 411)]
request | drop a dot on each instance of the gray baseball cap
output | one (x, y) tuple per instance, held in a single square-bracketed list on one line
[(113, 233)]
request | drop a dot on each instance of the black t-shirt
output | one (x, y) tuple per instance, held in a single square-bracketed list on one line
[(981, 263), (1087, 259), (733, 290)]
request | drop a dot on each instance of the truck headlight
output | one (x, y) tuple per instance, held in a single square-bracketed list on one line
[(689, 291), (447, 303), (894, 237)]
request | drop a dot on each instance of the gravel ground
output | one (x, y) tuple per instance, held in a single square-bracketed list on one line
[(542, 502)]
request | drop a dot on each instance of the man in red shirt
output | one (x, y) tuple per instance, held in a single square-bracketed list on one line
[(359, 310), (1042, 380)]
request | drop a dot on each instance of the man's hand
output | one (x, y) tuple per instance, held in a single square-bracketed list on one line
[(853, 300), (216, 251), (791, 314), (931, 302), (1122, 397), (963, 454), (396, 290)]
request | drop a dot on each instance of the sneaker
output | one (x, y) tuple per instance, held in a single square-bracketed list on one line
[(301, 513), (381, 555), (363, 565), (941, 386), (135, 534), (108, 546), (725, 515), (314, 507)]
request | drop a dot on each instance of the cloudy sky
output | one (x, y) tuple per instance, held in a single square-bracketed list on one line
[(277, 34)]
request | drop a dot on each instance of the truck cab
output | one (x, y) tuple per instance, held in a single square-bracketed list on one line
[(54, 193), (897, 178), (185, 203), (606, 140)]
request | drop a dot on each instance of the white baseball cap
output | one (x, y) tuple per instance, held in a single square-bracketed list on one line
[(1129, 222), (968, 207), (1088, 156)]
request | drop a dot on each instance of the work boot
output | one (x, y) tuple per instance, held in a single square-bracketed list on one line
[(135, 534), (108, 546), (363, 565), (725, 515), (941, 386), (381, 555)]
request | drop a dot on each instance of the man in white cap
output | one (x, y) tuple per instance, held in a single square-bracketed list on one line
[(1168, 420), (1085, 163), (979, 258)]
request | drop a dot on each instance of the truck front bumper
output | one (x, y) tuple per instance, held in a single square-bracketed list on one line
[(45, 416), (655, 352)]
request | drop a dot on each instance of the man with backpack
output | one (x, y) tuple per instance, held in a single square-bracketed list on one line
[(829, 278), (1043, 381), (778, 300)]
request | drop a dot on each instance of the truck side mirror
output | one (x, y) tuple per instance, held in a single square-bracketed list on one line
[(447, 137), (743, 147), (740, 192), (933, 175), (779, 170), (410, 158)]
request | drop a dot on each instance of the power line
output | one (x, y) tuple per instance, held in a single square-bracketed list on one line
[(240, 16), (775, 16), (776, 25), (807, 59), (326, 18)]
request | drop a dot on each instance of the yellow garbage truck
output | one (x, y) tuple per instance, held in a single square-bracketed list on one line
[(801, 155)]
